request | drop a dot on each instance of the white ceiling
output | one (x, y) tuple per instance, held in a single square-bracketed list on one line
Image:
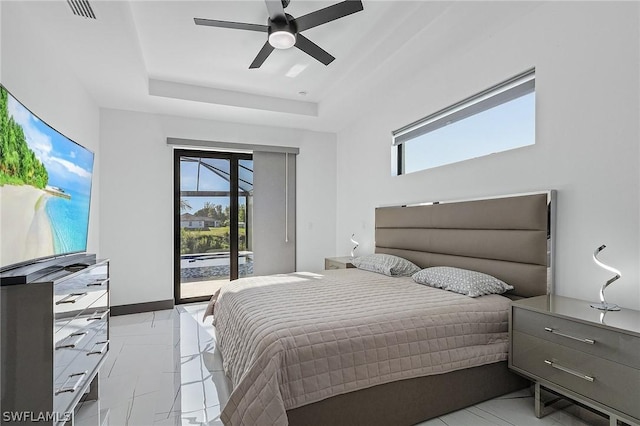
[(150, 56)]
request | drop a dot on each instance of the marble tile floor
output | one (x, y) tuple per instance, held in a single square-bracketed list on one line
[(164, 369)]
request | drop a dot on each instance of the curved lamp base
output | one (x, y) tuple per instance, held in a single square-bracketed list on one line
[(606, 306), (603, 305)]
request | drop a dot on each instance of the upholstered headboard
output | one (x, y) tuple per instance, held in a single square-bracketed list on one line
[(509, 237)]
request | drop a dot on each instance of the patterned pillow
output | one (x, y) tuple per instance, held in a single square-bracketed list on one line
[(463, 281), (386, 264)]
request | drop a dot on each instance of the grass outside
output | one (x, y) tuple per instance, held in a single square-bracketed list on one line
[(220, 231), (210, 240)]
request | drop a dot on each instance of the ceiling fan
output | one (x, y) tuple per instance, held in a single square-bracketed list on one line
[(283, 30)]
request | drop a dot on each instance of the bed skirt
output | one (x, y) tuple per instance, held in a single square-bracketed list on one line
[(410, 401)]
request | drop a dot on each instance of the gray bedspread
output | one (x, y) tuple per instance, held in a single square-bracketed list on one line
[(294, 339)]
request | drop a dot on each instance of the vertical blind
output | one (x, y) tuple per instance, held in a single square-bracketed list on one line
[(274, 213)]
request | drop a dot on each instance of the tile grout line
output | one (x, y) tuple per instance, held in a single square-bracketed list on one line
[(129, 411), (114, 361), (495, 415)]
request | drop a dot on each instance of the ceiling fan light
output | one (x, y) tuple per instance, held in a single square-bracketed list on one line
[(282, 39)]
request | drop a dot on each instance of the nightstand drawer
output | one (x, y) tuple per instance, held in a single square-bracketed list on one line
[(605, 343), (615, 385), (328, 264), (338, 263)]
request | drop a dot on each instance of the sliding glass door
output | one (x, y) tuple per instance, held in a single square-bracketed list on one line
[(245, 217), (213, 197)]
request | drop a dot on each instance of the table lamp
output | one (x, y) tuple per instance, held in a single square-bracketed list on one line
[(603, 305)]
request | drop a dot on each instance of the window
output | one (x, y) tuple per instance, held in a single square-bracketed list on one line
[(495, 120)]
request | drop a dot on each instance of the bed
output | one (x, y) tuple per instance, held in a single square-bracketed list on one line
[(352, 347)]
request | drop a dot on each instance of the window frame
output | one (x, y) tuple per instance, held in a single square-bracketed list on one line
[(499, 94), (234, 159)]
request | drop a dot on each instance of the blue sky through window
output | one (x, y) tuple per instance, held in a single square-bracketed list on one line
[(504, 127)]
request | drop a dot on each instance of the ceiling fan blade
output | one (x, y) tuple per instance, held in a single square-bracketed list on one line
[(262, 56), (228, 24), (312, 49), (328, 14), (275, 9)]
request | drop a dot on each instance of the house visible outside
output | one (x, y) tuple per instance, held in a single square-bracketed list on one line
[(190, 221)]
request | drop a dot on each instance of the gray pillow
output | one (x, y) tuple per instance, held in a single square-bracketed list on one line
[(463, 281), (386, 264)]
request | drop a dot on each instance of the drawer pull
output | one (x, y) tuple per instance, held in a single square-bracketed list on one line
[(579, 339), (73, 388), (104, 347), (97, 315), (71, 298), (98, 283), (568, 370), (79, 335)]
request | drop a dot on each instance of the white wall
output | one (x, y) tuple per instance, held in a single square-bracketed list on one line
[(586, 57), (137, 195), (587, 131), (1, 38), (46, 84)]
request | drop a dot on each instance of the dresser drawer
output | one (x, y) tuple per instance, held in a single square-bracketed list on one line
[(78, 336), (75, 294), (613, 384), (76, 374), (605, 343), (92, 301)]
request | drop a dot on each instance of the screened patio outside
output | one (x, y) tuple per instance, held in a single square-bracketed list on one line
[(207, 218)]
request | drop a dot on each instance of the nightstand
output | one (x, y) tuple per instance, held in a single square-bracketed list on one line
[(338, 262), (589, 356)]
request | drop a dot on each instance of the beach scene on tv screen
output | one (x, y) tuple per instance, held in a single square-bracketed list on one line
[(45, 187)]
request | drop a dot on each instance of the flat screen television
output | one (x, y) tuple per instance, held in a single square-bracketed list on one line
[(45, 188)]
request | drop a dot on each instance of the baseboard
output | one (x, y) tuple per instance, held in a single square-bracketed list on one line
[(136, 308)]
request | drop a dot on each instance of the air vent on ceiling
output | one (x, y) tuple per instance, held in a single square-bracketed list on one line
[(81, 8)]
